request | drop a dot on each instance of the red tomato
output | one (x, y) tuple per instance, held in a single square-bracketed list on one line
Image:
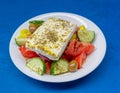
[(27, 53), (80, 59), (67, 57), (75, 48), (48, 65), (89, 48)]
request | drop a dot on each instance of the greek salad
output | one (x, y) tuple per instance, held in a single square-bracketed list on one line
[(79, 47)]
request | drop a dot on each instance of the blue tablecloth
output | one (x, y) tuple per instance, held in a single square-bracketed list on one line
[(105, 13)]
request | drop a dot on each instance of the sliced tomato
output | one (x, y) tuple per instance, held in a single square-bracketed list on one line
[(70, 48), (67, 57), (80, 59), (27, 53), (89, 48), (48, 65), (74, 48)]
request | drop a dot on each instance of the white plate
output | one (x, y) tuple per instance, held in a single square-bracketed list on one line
[(92, 62)]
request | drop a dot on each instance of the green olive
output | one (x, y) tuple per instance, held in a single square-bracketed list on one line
[(73, 65)]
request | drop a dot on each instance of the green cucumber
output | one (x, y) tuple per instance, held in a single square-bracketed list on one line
[(37, 65), (20, 41), (86, 35), (59, 67)]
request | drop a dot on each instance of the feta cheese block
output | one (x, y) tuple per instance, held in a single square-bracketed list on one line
[(51, 38)]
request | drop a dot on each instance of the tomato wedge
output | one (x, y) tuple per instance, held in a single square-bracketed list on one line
[(88, 48), (80, 59), (48, 65), (27, 53), (67, 57), (74, 48)]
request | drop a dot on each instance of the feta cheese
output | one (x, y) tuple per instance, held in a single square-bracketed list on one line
[(51, 38)]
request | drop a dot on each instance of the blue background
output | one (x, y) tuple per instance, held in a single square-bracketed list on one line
[(105, 13)]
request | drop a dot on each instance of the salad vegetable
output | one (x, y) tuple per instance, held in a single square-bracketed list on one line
[(82, 27), (59, 67), (22, 38), (73, 66), (86, 35), (74, 48), (37, 22), (34, 25), (73, 58), (27, 53), (48, 65), (37, 65), (74, 37), (20, 41), (24, 33), (80, 59)]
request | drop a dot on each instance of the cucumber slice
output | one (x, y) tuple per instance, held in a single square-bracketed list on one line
[(20, 41), (86, 35), (36, 65), (59, 67)]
